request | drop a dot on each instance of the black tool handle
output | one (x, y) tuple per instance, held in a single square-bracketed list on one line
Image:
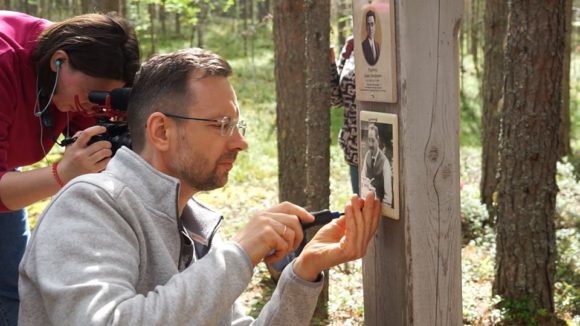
[(320, 218)]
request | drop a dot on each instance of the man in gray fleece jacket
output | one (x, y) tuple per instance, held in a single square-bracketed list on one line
[(131, 246)]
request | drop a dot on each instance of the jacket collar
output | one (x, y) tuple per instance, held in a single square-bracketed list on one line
[(160, 192)]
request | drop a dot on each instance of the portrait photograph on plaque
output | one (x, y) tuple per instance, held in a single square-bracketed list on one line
[(375, 52), (379, 159)]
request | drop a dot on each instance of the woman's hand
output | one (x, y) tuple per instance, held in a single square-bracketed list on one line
[(81, 158)]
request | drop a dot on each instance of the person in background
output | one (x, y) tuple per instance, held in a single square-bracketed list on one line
[(46, 72), (140, 249), (344, 95)]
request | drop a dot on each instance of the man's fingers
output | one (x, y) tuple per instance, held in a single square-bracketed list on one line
[(359, 221), (291, 209), (292, 224)]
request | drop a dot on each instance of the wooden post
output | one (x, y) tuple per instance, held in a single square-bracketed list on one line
[(412, 272)]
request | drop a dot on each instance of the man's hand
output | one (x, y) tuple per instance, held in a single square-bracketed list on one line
[(342, 240), (271, 234)]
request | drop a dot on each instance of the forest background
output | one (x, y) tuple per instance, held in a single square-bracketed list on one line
[(241, 31)]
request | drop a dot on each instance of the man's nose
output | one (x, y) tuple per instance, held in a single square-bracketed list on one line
[(238, 141)]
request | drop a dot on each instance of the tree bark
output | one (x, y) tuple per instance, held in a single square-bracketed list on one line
[(317, 62), (163, 17), (495, 22), (291, 104), (565, 125), (475, 31), (301, 37), (526, 247), (263, 9), (151, 12)]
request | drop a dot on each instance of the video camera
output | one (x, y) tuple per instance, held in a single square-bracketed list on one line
[(111, 113)]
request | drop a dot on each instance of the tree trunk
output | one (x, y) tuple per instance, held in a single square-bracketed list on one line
[(163, 18), (495, 23), (301, 38), (526, 248), (291, 104), (86, 5), (565, 148), (201, 19), (474, 31), (177, 23), (107, 6), (263, 9), (245, 13), (317, 64), (343, 12), (151, 12)]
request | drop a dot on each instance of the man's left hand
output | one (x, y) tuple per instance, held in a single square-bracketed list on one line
[(342, 240)]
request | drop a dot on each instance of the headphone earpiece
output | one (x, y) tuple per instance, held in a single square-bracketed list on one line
[(58, 62)]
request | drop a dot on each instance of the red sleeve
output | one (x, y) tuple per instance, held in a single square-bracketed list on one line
[(6, 113), (7, 107)]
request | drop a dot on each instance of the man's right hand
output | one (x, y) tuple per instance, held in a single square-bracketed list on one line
[(272, 233), (80, 158)]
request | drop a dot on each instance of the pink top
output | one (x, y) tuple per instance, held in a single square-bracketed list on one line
[(20, 129)]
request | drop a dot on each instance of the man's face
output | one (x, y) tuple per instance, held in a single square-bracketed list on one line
[(371, 27), (373, 141), (203, 157)]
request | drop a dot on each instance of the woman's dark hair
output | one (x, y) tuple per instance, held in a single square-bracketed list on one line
[(98, 45)]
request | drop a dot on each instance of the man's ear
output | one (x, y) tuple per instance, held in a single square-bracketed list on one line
[(158, 131)]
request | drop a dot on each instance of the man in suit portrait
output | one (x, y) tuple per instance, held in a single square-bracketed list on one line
[(371, 48)]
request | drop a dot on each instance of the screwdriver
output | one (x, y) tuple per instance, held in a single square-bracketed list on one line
[(321, 218)]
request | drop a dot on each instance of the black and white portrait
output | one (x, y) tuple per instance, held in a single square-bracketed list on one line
[(378, 164), (375, 52)]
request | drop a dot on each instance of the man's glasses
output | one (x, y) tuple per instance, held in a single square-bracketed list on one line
[(227, 124)]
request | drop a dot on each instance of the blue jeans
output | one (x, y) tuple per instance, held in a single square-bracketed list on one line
[(354, 178), (14, 234)]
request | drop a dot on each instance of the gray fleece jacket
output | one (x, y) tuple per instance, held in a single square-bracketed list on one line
[(106, 252)]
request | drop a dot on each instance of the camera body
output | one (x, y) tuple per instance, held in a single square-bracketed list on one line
[(117, 134), (111, 108)]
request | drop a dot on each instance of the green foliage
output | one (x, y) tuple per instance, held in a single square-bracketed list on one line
[(567, 285), (518, 312), (470, 104)]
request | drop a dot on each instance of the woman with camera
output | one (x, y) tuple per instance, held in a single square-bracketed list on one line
[(46, 72)]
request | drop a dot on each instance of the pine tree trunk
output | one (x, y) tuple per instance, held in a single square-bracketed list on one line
[(565, 148), (163, 17), (495, 23), (263, 9), (526, 249), (475, 31), (317, 61), (151, 12), (291, 104), (301, 37)]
